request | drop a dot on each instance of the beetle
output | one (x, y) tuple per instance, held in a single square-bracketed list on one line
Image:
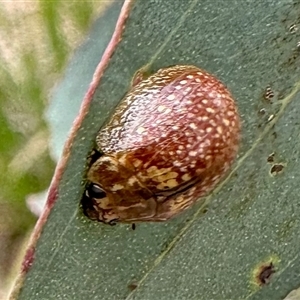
[(169, 142)]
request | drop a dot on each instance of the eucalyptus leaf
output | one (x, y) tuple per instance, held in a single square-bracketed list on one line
[(252, 223)]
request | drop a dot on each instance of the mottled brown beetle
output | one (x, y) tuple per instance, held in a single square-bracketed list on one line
[(169, 142)]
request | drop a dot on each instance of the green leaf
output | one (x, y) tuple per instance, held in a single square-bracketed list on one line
[(252, 222)]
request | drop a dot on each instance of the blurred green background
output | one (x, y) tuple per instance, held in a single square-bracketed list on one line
[(37, 40)]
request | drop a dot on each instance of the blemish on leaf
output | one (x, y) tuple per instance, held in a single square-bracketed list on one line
[(293, 28), (262, 112), (274, 134), (263, 272), (270, 158), (132, 286), (268, 94), (276, 169)]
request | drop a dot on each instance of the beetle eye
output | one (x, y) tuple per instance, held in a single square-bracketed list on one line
[(95, 191)]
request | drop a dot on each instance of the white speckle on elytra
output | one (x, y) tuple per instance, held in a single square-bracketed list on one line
[(171, 97), (193, 126), (230, 113), (208, 129), (200, 73), (187, 133), (205, 118), (226, 122), (190, 77), (188, 89), (175, 127), (140, 130), (220, 129), (190, 115), (210, 110), (171, 152), (189, 102), (204, 101), (161, 108), (177, 163), (167, 111), (193, 153), (215, 178), (180, 147), (200, 150), (213, 94), (198, 80), (178, 87), (178, 152), (183, 82), (212, 123)]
